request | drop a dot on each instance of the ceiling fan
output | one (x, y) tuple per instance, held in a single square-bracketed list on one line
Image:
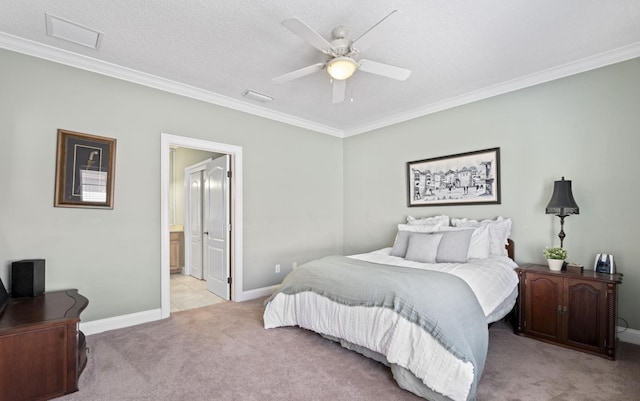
[(342, 56)]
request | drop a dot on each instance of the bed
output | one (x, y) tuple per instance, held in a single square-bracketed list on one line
[(421, 307)]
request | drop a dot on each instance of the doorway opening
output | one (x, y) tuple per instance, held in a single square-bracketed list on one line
[(199, 228), (235, 216)]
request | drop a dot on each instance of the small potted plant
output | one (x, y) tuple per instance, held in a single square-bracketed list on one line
[(555, 257)]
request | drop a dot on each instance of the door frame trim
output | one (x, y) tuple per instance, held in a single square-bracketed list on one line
[(166, 141)]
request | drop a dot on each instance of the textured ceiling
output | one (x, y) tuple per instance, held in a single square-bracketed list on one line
[(459, 51)]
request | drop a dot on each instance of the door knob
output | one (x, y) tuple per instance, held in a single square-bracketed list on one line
[(206, 233)]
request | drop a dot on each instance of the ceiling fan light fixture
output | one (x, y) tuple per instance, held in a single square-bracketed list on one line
[(341, 68)]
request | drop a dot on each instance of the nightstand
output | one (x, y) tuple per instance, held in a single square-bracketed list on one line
[(576, 310)]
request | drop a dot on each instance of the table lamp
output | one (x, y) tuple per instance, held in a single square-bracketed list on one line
[(562, 204)]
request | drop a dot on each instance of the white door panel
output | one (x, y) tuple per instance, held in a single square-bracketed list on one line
[(216, 226)]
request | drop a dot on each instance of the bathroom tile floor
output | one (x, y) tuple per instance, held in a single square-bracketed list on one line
[(188, 292)]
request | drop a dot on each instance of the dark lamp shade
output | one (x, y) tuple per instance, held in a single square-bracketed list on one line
[(562, 202)]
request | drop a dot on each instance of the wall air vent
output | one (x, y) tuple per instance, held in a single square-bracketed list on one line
[(72, 32), (257, 96)]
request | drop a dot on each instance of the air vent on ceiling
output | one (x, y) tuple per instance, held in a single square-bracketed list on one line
[(72, 32), (257, 96)]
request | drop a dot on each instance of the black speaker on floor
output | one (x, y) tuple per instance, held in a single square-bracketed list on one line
[(27, 278)]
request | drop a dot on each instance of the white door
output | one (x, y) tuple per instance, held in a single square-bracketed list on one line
[(195, 224), (217, 226)]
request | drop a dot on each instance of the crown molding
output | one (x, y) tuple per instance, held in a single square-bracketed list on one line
[(586, 64), (39, 50), (20, 45)]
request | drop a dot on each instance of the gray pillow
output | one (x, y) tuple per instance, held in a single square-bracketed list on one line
[(423, 247), (400, 246), (454, 246)]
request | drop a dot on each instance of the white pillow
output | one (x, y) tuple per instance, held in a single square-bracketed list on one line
[(480, 244), (423, 247), (402, 238), (443, 220), (420, 228), (499, 232)]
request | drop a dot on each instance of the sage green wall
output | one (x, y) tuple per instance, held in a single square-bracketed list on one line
[(292, 184), (298, 183), (585, 127)]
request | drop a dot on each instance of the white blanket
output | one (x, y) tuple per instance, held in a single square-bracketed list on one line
[(394, 337), (402, 343), (492, 280)]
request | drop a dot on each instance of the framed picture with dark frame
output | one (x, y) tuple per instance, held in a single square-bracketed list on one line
[(85, 169), (471, 178)]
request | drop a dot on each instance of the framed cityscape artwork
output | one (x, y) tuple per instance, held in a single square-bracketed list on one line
[(471, 178)]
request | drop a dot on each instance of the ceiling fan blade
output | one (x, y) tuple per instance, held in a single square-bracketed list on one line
[(386, 70), (373, 35), (339, 90), (290, 76), (306, 33)]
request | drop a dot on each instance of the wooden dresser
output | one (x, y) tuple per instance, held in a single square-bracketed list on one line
[(574, 310), (42, 351)]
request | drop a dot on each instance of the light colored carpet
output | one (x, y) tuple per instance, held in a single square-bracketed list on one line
[(222, 352), (522, 369)]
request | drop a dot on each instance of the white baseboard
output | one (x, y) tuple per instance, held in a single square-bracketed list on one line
[(119, 322), (629, 335), (257, 293)]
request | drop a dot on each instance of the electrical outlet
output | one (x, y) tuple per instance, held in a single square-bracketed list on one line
[(277, 268), (294, 265)]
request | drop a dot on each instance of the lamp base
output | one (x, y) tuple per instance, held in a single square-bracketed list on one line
[(561, 235)]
